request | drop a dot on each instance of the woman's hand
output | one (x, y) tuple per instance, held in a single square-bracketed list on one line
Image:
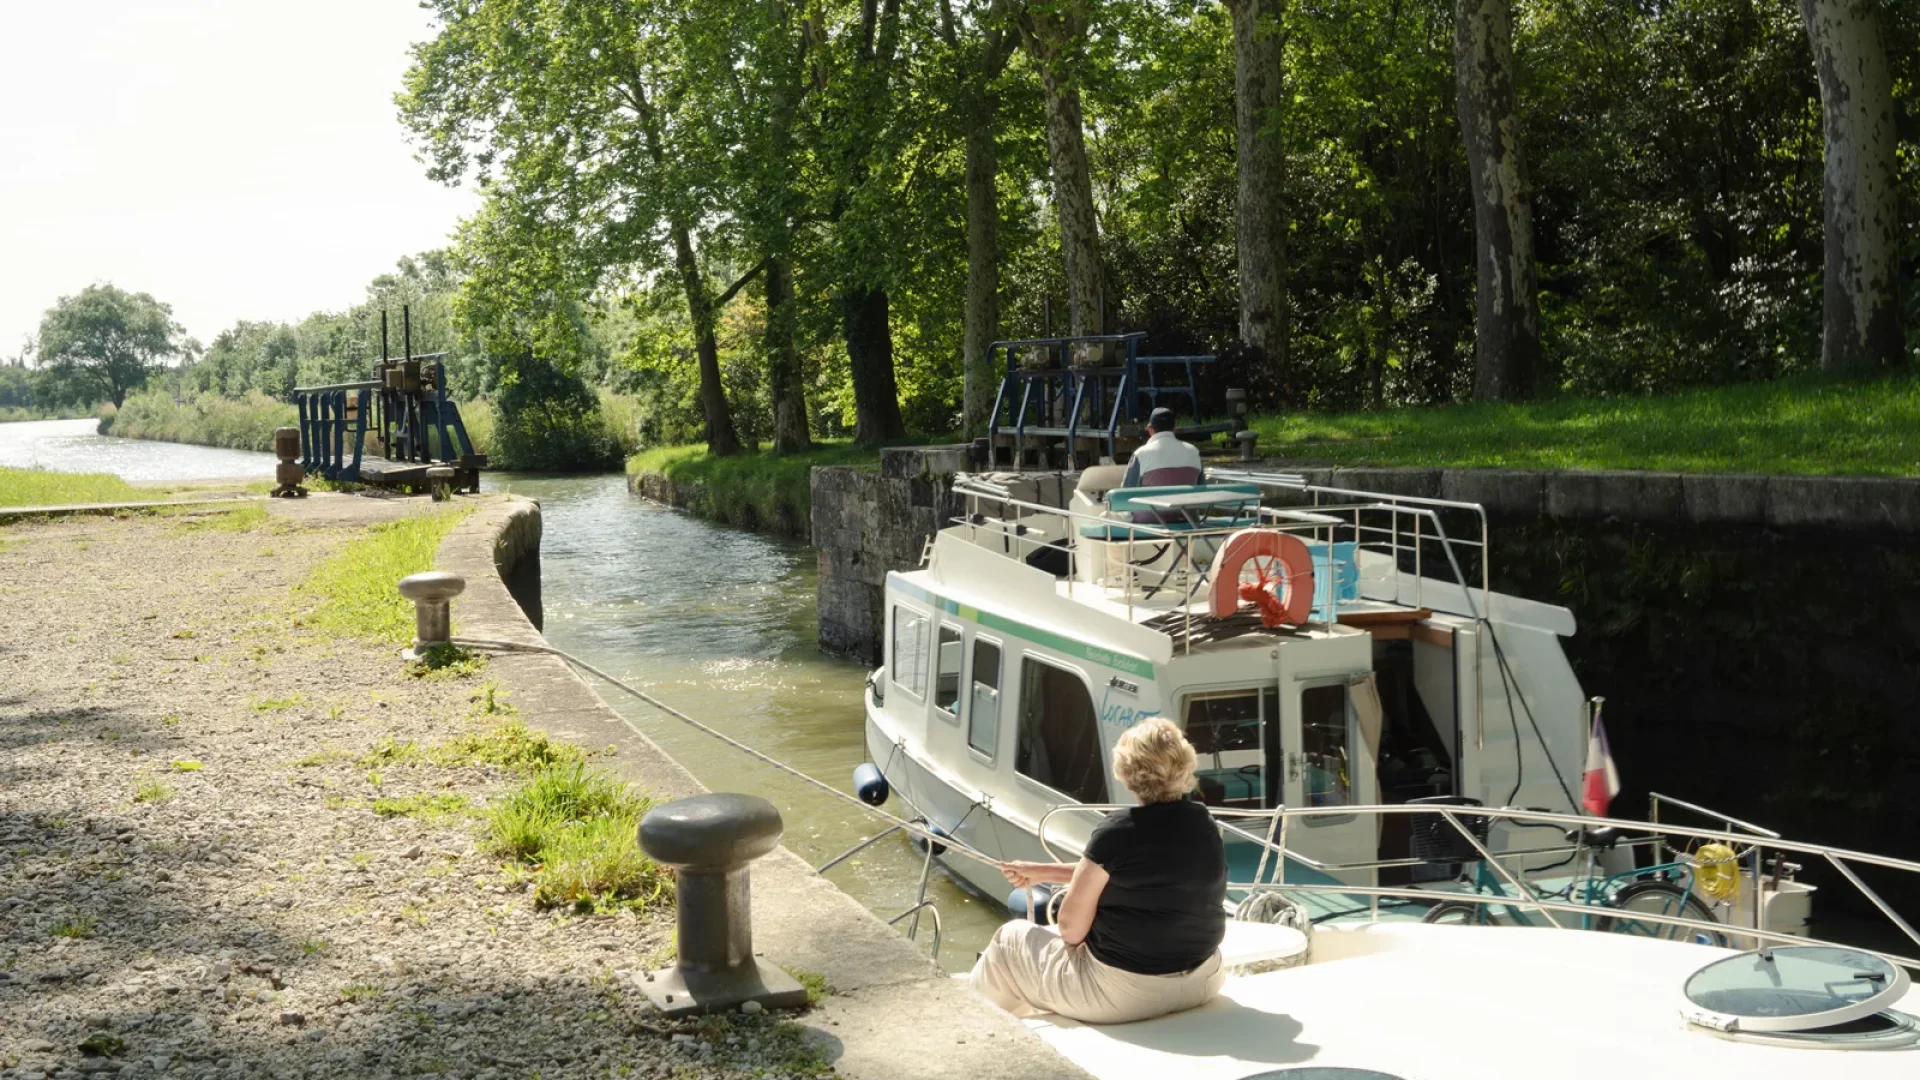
[(1028, 874)]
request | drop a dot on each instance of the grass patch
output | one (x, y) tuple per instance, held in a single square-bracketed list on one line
[(354, 590), (44, 487), (1807, 425), (446, 661), (75, 926), (187, 766), (815, 983), (764, 491), (246, 517), (440, 807), (151, 791), (360, 992), (573, 832), (279, 704), (512, 745)]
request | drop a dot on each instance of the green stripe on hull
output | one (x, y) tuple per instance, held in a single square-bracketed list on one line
[(1107, 658)]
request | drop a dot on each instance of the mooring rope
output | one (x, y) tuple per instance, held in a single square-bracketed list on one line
[(924, 832)]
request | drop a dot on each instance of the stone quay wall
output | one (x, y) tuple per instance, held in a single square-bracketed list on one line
[(867, 522)]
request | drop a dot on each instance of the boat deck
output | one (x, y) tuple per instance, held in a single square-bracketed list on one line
[(1420, 1002)]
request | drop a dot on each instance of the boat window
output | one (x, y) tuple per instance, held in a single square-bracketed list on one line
[(983, 707), (1230, 731), (1059, 734), (1792, 988), (946, 680), (1325, 733), (910, 650)]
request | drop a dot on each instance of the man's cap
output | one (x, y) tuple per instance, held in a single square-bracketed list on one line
[(1161, 420)]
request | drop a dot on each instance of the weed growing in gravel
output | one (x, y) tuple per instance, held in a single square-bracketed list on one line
[(360, 992), (243, 518), (816, 984), (276, 704), (784, 1043), (187, 766), (512, 745), (172, 719), (431, 808), (328, 756), (491, 701), (152, 791), (312, 945), (446, 661), (76, 926), (572, 831), (354, 590), (390, 751)]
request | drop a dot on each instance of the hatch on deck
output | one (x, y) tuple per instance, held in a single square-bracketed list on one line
[(1812, 995)]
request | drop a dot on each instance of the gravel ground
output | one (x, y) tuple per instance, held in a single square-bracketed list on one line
[(251, 917)]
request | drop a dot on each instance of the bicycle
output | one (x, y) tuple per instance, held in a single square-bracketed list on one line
[(1662, 889)]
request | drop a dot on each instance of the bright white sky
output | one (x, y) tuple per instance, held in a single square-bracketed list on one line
[(235, 158)]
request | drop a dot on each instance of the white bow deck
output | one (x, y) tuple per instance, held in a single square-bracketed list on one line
[(1424, 1002)]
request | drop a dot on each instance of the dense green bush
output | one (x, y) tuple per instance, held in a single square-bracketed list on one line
[(244, 423)]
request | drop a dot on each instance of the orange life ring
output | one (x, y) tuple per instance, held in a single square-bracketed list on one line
[(1282, 582)]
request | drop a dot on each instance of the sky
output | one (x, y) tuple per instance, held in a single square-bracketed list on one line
[(235, 158)]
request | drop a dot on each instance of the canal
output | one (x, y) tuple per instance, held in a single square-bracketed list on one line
[(717, 621)]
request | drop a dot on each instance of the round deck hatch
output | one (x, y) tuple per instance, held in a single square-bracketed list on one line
[(1321, 1073), (1796, 988)]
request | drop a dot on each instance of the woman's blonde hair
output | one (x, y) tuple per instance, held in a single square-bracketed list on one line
[(1155, 760)]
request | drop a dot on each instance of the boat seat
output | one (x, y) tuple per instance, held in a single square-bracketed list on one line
[(1249, 943)]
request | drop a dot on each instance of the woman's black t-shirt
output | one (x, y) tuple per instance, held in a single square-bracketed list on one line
[(1163, 909)]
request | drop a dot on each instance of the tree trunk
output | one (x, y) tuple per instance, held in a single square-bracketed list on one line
[(876, 396), (785, 384), (1260, 219), (722, 440), (1861, 327), (1506, 345), (1053, 40), (980, 321)]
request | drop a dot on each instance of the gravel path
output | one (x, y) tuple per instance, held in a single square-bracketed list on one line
[(192, 883)]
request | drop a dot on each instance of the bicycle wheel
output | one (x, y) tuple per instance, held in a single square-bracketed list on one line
[(1461, 913), (1659, 898)]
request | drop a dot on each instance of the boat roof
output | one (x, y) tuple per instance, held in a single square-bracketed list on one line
[(1427, 1002)]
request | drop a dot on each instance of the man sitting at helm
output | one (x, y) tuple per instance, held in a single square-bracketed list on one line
[(1162, 461)]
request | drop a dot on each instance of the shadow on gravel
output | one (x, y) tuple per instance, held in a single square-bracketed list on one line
[(35, 726), (142, 955)]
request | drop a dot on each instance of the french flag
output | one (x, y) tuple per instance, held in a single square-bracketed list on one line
[(1602, 779)]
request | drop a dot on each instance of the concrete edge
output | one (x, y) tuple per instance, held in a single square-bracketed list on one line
[(800, 919)]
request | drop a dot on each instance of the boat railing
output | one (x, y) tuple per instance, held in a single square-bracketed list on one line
[(1409, 531), (1756, 842)]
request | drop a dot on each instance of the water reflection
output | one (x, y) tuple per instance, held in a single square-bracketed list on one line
[(721, 623)]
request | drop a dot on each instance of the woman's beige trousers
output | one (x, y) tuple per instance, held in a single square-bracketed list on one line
[(1027, 970)]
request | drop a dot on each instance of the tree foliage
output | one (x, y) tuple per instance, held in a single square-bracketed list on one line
[(103, 342)]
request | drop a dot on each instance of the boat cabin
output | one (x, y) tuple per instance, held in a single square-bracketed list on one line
[(1321, 648)]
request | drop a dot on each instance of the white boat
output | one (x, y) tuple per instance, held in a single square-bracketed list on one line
[(1371, 720)]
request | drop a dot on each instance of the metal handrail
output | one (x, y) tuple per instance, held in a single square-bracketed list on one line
[(1267, 517), (1840, 858)]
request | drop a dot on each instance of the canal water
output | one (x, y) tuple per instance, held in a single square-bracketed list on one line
[(73, 446), (716, 621)]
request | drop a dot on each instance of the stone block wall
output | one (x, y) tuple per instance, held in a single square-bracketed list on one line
[(867, 522)]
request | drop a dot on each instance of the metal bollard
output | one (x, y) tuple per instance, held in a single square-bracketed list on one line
[(709, 840), (288, 475), (431, 594), (440, 482), (1246, 439)]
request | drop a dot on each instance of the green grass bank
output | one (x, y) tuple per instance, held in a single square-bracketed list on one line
[(1807, 426), (762, 490), (44, 487)]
